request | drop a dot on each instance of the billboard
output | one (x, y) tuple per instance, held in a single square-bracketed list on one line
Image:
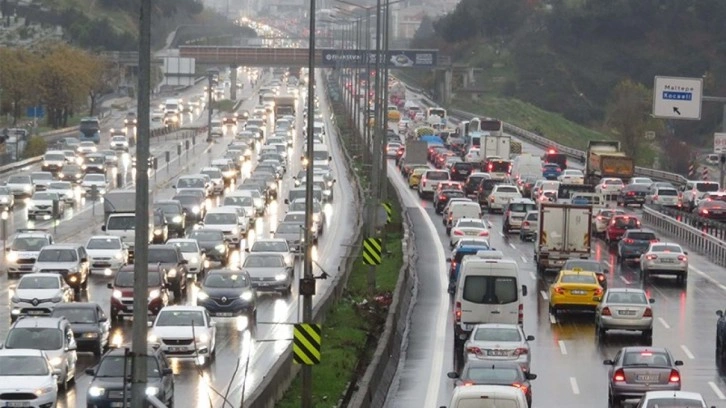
[(179, 66), (719, 142), (394, 58)]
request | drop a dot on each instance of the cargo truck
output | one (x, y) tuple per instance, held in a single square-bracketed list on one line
[(564, 233), (284, 105), (119, 210), (497, 146), (605, 159), (416, 152)]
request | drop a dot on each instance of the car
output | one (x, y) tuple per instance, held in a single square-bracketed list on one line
[(68, 260), (500, 195), (130, 119), (86, 148), (228, 293), (106, 253), (195, 181), (441, 198), (89, 323), (212, 243), (460, 170), (64, 189), (20, 185), (185, 333), (414, 177), (468, 227), (499, 342), (619, 223), (244, 201), (601, 219), (430, 180), (695, 190), (52, 335), (637, 370), (229, 221), (192, 252), (27, 379), (216, 178), (664, 258), (109, 378), (23, 249), (589, 265), (514, 212), (42, 205), (269, 272), (571, 176), (273, 245), (530, 226), (160, 229), (574, 290), (193, 205), (633, 243), (318, 213), (551, 171), (7, 199), (37, 294), (94, 163), (122, 292), (633, 194), (53, 161), (663, 197), (525, 184), (646, 181), (171, 261), (97, 181), (504, 373), (610, 186), (655, 399), (41, 180), (71, 172), (110, 157), (446, 212), (711, 210), (298, 217), (473, 181), (293, 233), (624, 309)]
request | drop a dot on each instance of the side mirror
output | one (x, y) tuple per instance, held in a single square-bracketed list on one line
[(608, 362), (524, 290), (84, 259), (109, 285), (530, 338), (90, 371), (103, 319), (719, 313), (103, 228), (685, 253), (287, 201), (678, 363), (651, 301), (530, 376), (167, 371), (453, 375)]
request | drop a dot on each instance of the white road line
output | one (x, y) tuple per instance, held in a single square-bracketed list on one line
[(687, 352), (544, 295), (622, 278), (501, 234), (563, 349), (534, 277), (716, 390), (664, 323), (553, 319), (524, 259), (708, 277), (608, 264), (573, 384), (512, 245)]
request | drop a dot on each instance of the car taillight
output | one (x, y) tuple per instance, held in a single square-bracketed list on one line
[(599, 217), (559, 291), (704, 211), (598, 292), (520, 314), (423, 183), (652, 241), (458, 233), (473, 350), (490, 167), (521, 351), (648, 312), (655, 197), (467, 383), (628, 241), (682, 258), (442, 197), (484, 234), (619, 375), (631, 193), (606, 311), (601, 277), (674, 377), (521, 387), (457, 312), (525, 224), (651, 257)]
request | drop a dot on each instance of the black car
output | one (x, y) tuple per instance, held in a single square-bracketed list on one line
[(460, 171), (441, 199), (172, 262), (634, 243), (721, 340), (193, 207), (94, 163), (71, 172), (473, 181), (487, 372), (633, 194), (107, 386), (174, 214), (227, 293), (160, 228), (212, 244), (485, 188), (89, 323)]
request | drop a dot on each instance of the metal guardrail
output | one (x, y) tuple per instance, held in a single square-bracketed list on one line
[(699, 239)]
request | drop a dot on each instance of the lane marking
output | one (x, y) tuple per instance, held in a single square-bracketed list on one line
[(553, 319), (622, 278), (716, 390), (664, 323), (544, 295), (501, 234), (687, 352), (573, 384), (512, 245), (708, 277), (526, 261), (563, 349), (608, 264)]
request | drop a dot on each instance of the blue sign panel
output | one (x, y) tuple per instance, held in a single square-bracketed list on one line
[(394, 58), (677, 96), (35, 111)]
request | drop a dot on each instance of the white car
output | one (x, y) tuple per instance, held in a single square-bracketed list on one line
[(445, 211), (665, 258), (227, 220), (107, 253), (392, 149), (501, 195), (41, 179), (197, 260), (664, 197), (473, 155), (63, 189), (119, 143), (641, 180), (36, 294), (430, 180), (21, 186), (185, 332), (601, 219), (41, 204), (274, 245), (673, 399), (609, 186), (7, 199), (86, 147), (216, 178), (468, 228), (98, 180), (571, 176), (26, 379), (403, 124), (217, 129), (499, 342)]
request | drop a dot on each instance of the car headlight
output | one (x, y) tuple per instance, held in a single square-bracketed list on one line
[(157, 232), (220, 247), (45, 390), (56, 361), (90, 335), (235, 231), (96, 391), (330, 183), (151, 390), (27, 188), (202, 338), (119, 256), (258, 202), (153, 338), (155, 293), (246, 296), (177, 219), (280, 277), (12, 256), (316, 217), (273, 186), (202, 296), (194, 260), (195, 209), (116, 293), (171, 273), (56, 299)]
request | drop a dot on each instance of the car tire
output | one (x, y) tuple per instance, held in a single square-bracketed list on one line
[(683, 279), (601, 332), (98, 349), (648, 334), (613, 402), (645, 275)]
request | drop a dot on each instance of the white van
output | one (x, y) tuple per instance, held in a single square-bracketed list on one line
[(321, 156), (488, 396), (459, 210), (488, 291), (171, 106), (217, 128), (526, 165), (430, 180)]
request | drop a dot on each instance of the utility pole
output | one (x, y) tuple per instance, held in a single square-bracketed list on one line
[(366, 106), (384, 122), (141, 239), (209, 107), (307, 283)]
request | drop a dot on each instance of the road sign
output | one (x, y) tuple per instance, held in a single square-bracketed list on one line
[(395, 58), (719, 142), (35, 111), (677, 98), (306, 344), (372, 249)]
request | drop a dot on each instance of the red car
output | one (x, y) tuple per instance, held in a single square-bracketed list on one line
[(618, 225), (122, 297)]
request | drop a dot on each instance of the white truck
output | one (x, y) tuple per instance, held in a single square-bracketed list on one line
[(496, 145), (564, 233), (119, 209)]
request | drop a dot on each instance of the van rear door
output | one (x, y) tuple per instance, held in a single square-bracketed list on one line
[(489, 294)]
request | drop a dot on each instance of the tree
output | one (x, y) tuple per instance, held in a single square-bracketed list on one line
[(18, 78), (104, 78), (35, 147), (628, 116), (64, 81)]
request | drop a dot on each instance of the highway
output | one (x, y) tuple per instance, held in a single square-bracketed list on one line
[(565, 355)]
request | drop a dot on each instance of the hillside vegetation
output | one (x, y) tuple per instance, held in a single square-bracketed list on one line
[(569, 56)]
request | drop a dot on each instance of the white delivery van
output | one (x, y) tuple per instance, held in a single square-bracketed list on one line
[(488, 291), (321, 156), (488, 396), (217, 128), (526, 165), (430, 179), (459, 210)]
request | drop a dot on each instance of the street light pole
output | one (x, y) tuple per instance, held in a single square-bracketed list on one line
[(384, 166)]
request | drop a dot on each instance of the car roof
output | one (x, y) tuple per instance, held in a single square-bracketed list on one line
[(631, 231), (564, 272), (189, 308), (76, 305), (673, 394), (641, 349), (222, 210), (45, 322), (625, 290), (61, 246), (39, 275)]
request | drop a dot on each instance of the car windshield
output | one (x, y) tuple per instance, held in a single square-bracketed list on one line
[(207, 235), (95, 160), (19, 180), (497, 334), (626, 222), (187, 199), (492, 290), (220, 219), (185, 246), (113, 366), (646, 358), (522, 207), (269, 246), (469, 224), (673, 403), (226, 280), (627, 297), (641, 236), (57, 255), (288, 228), (95, 177), (121, 223), (125, 279), (263, 261), (300, 206), (707, 187), (162, 256), (78, 315), (59, 186), (667, 192), (487, 374), (195, 182), (23, 365), (39, 282), (41, 176), (45, 196), (666, 248), (180, 318), (437, 175), (577, 278), (169, 208), (118, 139), (103, 243), (582, 264), (214, 174), (28, 244), (36, 338)]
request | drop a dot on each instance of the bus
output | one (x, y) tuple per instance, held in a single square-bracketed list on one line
[(440, 112)]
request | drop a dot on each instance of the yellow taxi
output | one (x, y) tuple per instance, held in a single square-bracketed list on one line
[(393, 114), (575, 290), (415, 176)]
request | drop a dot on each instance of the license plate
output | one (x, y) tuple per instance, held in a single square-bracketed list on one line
[(718, 212), (667, 260), (117, 404), (224, 314), (626, 312), (17, 404), (172, 349), (472, 233), (578, 292), (647, 378), (35, 312), (497, 353)]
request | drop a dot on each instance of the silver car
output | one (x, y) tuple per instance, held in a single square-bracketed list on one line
[(7, 199), (637, 370), (292, 232), (498, 342), (663, 258), (624, 309), (21, 186), (529, 227), (269, 272)]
